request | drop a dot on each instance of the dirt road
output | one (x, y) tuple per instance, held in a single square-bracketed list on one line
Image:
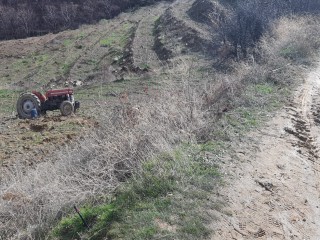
[(275, 192)]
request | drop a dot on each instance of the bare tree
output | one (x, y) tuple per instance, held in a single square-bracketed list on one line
[(52, 17), (7, 22), (249, 19), (25, 20), (68, 14)]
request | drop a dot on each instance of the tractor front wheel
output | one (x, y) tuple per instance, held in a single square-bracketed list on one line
[(66, 108), (25, 104)]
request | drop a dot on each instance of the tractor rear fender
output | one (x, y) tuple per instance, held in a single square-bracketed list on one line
[(41, 97)]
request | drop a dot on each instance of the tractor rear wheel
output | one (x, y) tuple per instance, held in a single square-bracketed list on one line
[(66, 108), (25, 104)]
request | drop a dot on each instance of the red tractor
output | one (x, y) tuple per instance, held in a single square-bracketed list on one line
[(53, 99)]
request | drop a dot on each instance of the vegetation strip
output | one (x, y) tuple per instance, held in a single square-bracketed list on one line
[(169, 196)]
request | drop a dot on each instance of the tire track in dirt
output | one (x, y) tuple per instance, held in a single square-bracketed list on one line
[(275, 193)]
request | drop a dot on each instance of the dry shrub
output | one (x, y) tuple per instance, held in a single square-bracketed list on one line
[(296, 37), (290, 45), (33, 199), (281, 57)]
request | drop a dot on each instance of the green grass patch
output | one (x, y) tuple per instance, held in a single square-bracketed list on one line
[(107, 41), (251, 109), (22, 64), (119, 38), (8, 100), (81, 36), (145, 66), (39, 60), (66, 67), (195, 227), (239, 122), (67, 42), (166, 199), (92, 62), (31, 61), (114, 40), (110, 91), (294, 52), (67, 127), (6, 93), (70, 227), (264, 88)]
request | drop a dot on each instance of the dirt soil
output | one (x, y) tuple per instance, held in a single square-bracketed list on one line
[(275, 190), (33, 141)]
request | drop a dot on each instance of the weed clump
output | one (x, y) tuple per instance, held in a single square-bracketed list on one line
[(70, 227)]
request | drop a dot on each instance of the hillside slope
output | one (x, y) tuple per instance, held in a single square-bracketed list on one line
[(103, 62), (168, 109)]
